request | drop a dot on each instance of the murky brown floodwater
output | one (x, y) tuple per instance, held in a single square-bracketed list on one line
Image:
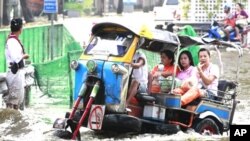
[(35, 123)]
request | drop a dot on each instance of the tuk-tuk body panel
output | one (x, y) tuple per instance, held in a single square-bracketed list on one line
[(221, 112), (112, 81), (80, 77), (81, 74), (168, 100)]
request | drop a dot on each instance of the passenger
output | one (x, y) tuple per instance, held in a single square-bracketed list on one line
[(167, 69), (187, 73), (139, 82), (240, 19), (208, 75), (229, 22)]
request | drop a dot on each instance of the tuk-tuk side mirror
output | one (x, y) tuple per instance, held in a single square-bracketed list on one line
[(141, 42)]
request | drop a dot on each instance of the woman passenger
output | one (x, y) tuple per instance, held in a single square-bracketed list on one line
[(162, 70), (187, 73), (208, 79)]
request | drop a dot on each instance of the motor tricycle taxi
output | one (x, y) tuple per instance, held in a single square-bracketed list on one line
[(102, 79)]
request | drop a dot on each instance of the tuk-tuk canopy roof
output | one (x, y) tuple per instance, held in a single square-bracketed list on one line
[(109, 26), (157, 39)]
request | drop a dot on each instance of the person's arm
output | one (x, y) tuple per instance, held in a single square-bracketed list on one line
[(170, 72), (207, 80), (244, 14), (154, 70), (138, 64), (193, 80), (166, 73)]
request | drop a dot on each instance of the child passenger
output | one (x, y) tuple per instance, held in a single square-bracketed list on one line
[(139, 82)]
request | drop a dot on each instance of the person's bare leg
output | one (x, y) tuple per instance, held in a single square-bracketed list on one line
[(227, 35), (132, 90), (190, 95)]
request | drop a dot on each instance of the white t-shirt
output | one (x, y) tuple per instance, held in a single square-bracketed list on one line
[(13, 51), (140, 74), (212, 70)]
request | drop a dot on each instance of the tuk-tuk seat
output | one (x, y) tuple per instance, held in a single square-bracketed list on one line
[(223, 86), (145, 98)]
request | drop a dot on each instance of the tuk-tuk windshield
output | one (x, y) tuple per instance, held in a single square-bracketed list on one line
[(115, 46)]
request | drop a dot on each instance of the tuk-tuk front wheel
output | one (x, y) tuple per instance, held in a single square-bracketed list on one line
[(207, 126), (63, 134)]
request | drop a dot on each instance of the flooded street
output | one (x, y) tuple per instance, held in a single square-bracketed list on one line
[(242, 115), (35, 123)]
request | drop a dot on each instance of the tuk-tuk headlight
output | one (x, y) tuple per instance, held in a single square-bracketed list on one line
[(115, 68), (74, 65), (91, 66)]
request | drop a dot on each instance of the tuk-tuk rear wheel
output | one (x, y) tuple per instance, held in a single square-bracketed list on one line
[(207, 124)]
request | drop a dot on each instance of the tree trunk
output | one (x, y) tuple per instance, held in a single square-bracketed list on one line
[(120, 7), (99, 6), (28, 16)]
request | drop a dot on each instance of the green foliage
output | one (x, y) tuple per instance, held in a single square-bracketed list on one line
[(215, 7), (73, 6), (210, 15), (185, 6), (87, 6)]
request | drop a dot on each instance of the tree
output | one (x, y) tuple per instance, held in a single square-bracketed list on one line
[(28, 16), (99, 7), (120, 7)]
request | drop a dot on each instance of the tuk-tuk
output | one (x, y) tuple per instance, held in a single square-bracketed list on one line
[(102, 79)]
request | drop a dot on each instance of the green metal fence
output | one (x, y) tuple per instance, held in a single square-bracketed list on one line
[(37, 40)]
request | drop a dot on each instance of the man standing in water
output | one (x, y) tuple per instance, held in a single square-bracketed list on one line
[(15, 55)]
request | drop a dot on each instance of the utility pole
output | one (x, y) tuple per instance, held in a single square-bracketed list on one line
[(1, 13)]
